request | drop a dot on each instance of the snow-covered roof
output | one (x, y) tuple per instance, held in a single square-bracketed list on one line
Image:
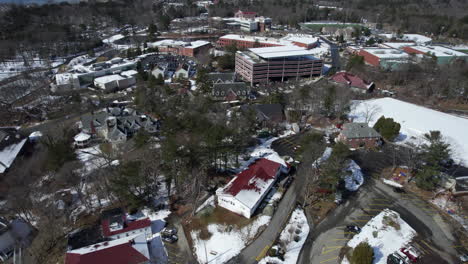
[(387, 53), (409, 37), (251, 184), (255, 38), (283, 51), (439, 51), (398, 45), (108, 79), (81, 137), (301, 38), (9, 153), (172, 42), (129, 73)]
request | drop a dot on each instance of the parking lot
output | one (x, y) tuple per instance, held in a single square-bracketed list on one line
[(433, 239)]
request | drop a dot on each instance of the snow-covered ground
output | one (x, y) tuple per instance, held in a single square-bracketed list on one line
[(452, 208), (385, 233), (415, 122), (225, 243), (296, 229), (92, 159), (354, 179)]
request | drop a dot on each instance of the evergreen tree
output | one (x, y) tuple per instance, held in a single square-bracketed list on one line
[(362, 254), (387, 127)]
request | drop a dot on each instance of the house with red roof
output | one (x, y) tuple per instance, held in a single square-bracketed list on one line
[(244, 193), (115, 224), (126, 250), (352, 81)]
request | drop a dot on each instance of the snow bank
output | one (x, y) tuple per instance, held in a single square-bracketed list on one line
[(354, 179), (325, 156), (209, 202), (392, 183), (385, 233), (92, 159), (416, 121), (298, 221), (224, 244)]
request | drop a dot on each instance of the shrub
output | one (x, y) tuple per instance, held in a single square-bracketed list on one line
[(387, 127), (362, 254)]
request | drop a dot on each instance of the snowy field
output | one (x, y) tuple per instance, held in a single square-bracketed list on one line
[(224, 244), (297, 224), (385, 233), (416, 121)]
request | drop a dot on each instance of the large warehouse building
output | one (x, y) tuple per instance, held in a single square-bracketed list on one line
[(262, 65)]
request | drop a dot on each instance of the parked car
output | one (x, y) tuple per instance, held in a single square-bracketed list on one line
[(395, 258), (353, 229), (169, 231), (169, 238), (411, 253), (288, 182)]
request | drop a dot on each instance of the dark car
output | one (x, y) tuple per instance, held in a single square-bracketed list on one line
[(169, 231), (288, 182), (396, 259), (353, 229), (169, 238)]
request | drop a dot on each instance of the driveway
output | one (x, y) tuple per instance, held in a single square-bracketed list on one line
[(434, 238)]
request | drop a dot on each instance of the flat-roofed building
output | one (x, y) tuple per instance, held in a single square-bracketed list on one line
[(262, 65), (385, 58), (442, 54)]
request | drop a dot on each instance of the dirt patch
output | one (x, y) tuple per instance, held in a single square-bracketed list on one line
[(320, 208)]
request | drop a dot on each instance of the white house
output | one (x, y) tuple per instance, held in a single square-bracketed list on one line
[(244, 193), (82, 140), (118, 226), (183, 71), (158, 70)]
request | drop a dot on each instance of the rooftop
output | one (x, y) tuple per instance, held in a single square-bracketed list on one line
[(128, 250), (398, 45), (250, 185), (408, 37), (109, 78), (387, 53), (358, 130), (439, 51), (280, 52)]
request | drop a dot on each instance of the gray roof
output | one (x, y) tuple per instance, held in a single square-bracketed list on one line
[(266, 112), (216, 77), (227, 87), (359, 130)]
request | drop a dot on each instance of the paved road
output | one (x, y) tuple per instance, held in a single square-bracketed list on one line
[(255, 251), (435, 239)]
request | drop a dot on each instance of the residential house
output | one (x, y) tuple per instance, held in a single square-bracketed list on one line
[(117, 124), (230, 91), (244, 193), (12, 144), (159, 70), (131, 249), (116, 224), (222, 77), (183, 71), (267, 115), (354, 82), (359, 135)]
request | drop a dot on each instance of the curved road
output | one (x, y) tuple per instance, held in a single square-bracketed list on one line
[(434, 234)]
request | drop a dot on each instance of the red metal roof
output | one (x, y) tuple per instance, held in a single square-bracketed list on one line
[(263, 169), (351, 80), (118, 254), (128, 226)]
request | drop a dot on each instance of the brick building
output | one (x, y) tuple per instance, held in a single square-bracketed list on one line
[(385, 58), (262, 65), (189, 49), (247, 42), (359, 135)]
